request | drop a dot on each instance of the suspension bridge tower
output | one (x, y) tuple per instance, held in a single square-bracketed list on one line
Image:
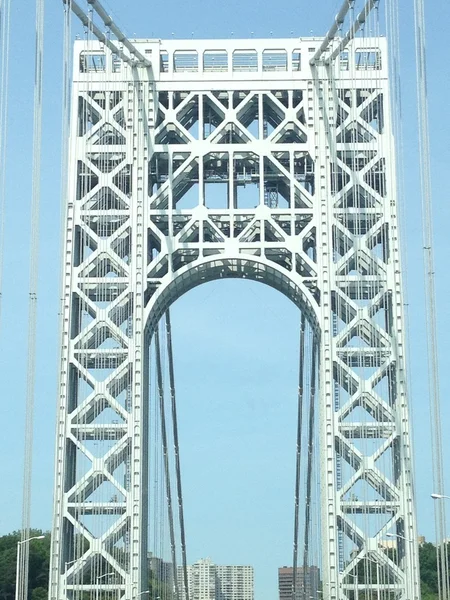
[(271, 160)]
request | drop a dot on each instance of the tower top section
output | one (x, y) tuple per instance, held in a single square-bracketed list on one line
[(269, 59)]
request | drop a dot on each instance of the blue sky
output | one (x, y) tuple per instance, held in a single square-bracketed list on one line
[(256, 326)]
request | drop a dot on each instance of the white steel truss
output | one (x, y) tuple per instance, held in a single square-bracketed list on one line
[(232, 159)]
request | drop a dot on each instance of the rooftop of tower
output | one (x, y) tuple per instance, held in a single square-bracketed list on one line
[(240, 59)]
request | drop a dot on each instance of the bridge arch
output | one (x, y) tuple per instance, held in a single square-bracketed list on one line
[(230, 267)]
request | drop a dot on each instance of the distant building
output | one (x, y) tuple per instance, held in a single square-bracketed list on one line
[(208, 581), (161, 575), (307, 583), (235, 582)]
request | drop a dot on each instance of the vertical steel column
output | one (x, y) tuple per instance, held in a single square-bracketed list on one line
[(140, 102), (326, 383)]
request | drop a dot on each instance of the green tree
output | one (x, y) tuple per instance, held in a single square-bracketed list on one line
[(38, 565), (39, 593), (428, 571)]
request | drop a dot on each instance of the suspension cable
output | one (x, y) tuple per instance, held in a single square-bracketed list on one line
[(299, 451), (159, 377), (5, 22), (104, 38), (107, 20), (99, 34), (22, 592), (338, 21), (430, 296), (312, 403), (356, 26), (177, 453)]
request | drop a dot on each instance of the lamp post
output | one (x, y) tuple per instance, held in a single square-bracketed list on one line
[(440, 497), (441, 548), (19, 560), (356, 576), (400, 537), (98, 579), (377, 565), (68, 563), (355, 584)]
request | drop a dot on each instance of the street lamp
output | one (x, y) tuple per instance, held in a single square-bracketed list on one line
[(72, 562), (377, 565), (142, 593), (19, 559), (440, 549), (98, 579), (68, 563), (355, 576), (400, 537), (405, 539), (355, 584), (440, 497)]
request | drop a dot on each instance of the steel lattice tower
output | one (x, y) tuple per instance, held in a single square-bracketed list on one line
[(232, 159)]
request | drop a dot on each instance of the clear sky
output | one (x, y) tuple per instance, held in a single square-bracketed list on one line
[(253, 378)]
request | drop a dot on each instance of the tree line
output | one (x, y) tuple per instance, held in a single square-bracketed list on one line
[(40, 562), (39, 565)]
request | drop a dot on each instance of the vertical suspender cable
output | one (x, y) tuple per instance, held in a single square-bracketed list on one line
[(177, 454), (392, 28), (430, 299), (160, 383), (65, 117), (5, 11), (22, 592), (312, 406), (299, 451)]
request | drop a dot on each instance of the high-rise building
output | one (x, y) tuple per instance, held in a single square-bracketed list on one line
[(208, 581), (161, 576), (307, 583), (234, 582)]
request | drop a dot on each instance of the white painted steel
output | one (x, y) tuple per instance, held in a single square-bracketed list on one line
[(314, 144)]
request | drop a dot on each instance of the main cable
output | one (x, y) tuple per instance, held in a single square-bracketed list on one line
[(133, 57), (299, 451), (5, 23), (22, 592), (160, 383), (430, 296), (311, 421), (177, 454)]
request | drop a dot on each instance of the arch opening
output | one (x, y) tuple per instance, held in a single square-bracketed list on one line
[(235, 426)]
